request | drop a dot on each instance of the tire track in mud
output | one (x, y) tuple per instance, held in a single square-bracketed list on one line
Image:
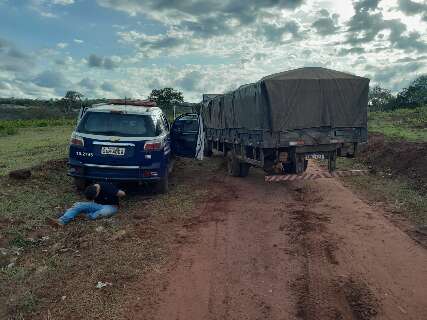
[(321, 293), (300, 250)]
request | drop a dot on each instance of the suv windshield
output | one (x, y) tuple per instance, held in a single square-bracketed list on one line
[(117, 124)]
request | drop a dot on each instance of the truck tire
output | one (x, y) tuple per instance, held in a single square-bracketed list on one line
[(80, 183), (233, 165), (162, 186), (207, 152), (291, 168), (244, 169)]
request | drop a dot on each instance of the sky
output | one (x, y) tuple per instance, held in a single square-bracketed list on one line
[(126, 48)]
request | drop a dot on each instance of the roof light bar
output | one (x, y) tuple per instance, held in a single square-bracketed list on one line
[(139, 103)]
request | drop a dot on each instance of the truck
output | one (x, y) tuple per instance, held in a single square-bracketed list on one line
[(281, 121)]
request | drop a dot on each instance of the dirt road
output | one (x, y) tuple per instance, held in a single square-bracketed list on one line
[(295, 250)]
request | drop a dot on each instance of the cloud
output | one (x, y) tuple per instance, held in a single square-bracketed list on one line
[(206, 27), (108, 86), (12, 59), (64, 61), (170, 43), (410, 42), (95, 61), (397, 76), (190, 82), (62, 45), (354, 50), (275, 33), (78, 41), (54, 80), (237, 9), (46, 8), (87, 83), (204, 18), (51, 79), (367, 23), (364, 26), (326, 25), (62, 2), (412, 8)]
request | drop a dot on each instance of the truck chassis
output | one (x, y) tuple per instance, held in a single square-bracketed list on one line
[(282, 152)]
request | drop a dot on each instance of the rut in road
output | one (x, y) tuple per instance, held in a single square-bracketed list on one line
[(300, 250)]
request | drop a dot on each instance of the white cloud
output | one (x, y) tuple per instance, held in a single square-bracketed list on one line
[(62, 2), (46, 7), (62, 45), (203, 51)]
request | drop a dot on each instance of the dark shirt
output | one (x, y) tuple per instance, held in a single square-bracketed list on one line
[(107, 194)]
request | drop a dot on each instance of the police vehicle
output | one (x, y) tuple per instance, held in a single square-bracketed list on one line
[(123, 141)]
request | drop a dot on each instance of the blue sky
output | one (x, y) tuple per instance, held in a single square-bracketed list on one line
[(117, 48)]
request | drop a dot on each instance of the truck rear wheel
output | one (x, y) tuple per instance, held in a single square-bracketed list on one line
[(244, 169), (233, 165), (207, 152)]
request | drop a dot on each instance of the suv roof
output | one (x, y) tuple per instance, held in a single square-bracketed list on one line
[(106, 107)]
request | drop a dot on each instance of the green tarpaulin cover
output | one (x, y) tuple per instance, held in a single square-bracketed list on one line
[(296, 99)]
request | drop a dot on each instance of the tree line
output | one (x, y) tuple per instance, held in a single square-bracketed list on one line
[(74, 100), (415, 95)]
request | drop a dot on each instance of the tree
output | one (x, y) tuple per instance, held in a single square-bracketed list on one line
[(71, 99), (415, 95), (380, 99), (166, 98)]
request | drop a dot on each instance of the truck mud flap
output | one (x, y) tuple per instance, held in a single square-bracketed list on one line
[(314, 176)]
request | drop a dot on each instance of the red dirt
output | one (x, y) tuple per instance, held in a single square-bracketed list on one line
[(397, 157), (295, 250)]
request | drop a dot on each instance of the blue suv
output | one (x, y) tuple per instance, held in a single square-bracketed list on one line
[(121, 141)]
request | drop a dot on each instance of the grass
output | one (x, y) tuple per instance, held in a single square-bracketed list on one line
[(397, 192), (10, 127), (32, 146), (84, 252), (406, 124)]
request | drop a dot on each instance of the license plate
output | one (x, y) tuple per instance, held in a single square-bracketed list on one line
[(115, 151), (315, 156)]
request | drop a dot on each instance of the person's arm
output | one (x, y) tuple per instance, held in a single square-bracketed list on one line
[(121, 193)]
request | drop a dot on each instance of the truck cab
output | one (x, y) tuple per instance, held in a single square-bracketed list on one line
[(121, 141)]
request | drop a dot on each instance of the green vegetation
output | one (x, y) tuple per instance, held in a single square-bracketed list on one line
[(32, 146), (397, 192), (42, 109), (10, 127), (381, 99), (407, 124)]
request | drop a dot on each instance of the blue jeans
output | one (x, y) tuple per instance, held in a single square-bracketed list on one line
[(91, 209)]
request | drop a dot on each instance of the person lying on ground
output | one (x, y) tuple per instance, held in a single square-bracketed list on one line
[(103, 202)]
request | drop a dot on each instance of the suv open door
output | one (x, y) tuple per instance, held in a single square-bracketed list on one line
[(185, 134)]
